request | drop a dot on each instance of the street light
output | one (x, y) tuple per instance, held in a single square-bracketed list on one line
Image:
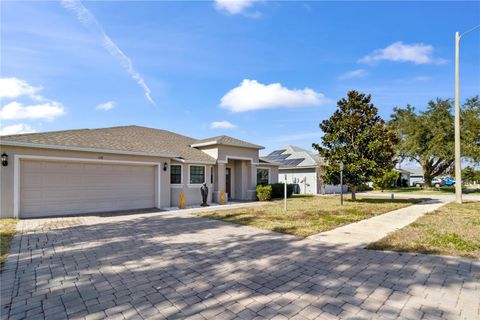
[(341, 183), (458, 155)]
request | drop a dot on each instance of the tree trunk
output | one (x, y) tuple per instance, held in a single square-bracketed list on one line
[(353, 189)]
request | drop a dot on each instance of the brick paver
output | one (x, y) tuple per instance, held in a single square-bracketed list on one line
[(176, 266)]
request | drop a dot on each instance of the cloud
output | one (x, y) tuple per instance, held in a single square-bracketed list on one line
[(106, 105), (252, 95), (234, 6), (359, 73), (14, 88), (417, 53), (46, 111), (89, 21), (16, 129), (222, 125)]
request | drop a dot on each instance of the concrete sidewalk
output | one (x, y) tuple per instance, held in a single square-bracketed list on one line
[(361, 233)]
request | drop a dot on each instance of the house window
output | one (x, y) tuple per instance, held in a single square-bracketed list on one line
[(262, 176), (197, 174), (175, 174)]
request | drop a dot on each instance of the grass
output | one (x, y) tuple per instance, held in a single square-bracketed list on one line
[(7, 231), (308, 215), (429, 191), (453, 230)]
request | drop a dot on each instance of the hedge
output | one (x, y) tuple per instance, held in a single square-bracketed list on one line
[(277, 190)]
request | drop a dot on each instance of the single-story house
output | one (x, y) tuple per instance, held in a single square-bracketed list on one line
[(122, 168), (403, 177), (301, 168)]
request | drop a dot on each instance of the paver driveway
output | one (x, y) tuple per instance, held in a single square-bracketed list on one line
[(169, 265)]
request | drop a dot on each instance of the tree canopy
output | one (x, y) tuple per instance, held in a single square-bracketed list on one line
[(359, 138), (428, 137)]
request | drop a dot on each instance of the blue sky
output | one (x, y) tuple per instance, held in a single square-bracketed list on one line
[(263, 71)]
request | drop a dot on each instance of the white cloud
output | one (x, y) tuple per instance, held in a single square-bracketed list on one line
[(47, 111), (417, 53), (359, 73), (16, 129), (234, 6), (89, 21), (252, 95), (14, 88), (222, 125), (106, 105)]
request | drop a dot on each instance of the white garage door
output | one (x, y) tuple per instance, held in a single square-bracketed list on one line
[(49, 188)]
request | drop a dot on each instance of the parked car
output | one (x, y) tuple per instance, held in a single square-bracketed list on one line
[(418, 183), (438, 182), (448, 181)]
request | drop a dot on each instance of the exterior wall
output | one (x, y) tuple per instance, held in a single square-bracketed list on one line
[(236, 153), (306, 178), (313, 185), (7, 173), (192, 192)]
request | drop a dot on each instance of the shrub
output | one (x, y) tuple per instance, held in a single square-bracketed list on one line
[(386, 181), (277, 190), (364, 187), (264, 193)]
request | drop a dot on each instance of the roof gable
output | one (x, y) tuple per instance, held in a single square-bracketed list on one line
[(225, 140)]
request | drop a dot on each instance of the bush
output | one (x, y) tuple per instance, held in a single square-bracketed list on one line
[(364, 187), (264, 193), (386, 181), (277, 190)]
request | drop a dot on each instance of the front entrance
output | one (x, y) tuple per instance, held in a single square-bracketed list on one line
[(228, 182)]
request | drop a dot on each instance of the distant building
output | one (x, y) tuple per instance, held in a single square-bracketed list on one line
[(301, 168)]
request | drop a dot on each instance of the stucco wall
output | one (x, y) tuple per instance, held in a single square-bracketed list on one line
[(309, 186), (192, 193), (7, 173), (237, 152)]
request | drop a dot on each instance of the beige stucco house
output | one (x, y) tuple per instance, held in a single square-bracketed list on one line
[(123, 168)]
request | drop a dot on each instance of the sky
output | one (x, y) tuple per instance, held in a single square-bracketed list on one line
[(264, 71)]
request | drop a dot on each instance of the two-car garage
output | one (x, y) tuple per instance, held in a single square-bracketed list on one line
[(56, 187)]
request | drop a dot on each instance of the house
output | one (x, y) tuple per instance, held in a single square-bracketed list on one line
[(403, 177), (301, 168), (416, 177), (122, 168)]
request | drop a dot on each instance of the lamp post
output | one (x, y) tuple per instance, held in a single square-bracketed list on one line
[(341, 183), (458, 155)]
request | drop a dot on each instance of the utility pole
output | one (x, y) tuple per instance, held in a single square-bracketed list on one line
[(458, 155)]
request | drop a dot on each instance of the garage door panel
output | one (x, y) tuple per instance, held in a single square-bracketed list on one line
[(61, 188)]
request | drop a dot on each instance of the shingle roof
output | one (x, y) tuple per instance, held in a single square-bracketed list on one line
[(125, 138), (226, 140)]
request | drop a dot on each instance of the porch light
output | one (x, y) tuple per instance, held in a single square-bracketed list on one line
[(165, 166), (4, 159)]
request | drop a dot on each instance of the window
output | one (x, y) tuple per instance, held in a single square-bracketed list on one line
[(175, 174), (197, 174), (262, 176)]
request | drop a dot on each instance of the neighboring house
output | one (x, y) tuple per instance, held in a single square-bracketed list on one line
[(302, 168), (416, 177), (123, 168), (403, 178)]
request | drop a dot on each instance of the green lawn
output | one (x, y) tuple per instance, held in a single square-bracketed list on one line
[(308, 215), (431, 191), (7, 231), (453, 229)]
